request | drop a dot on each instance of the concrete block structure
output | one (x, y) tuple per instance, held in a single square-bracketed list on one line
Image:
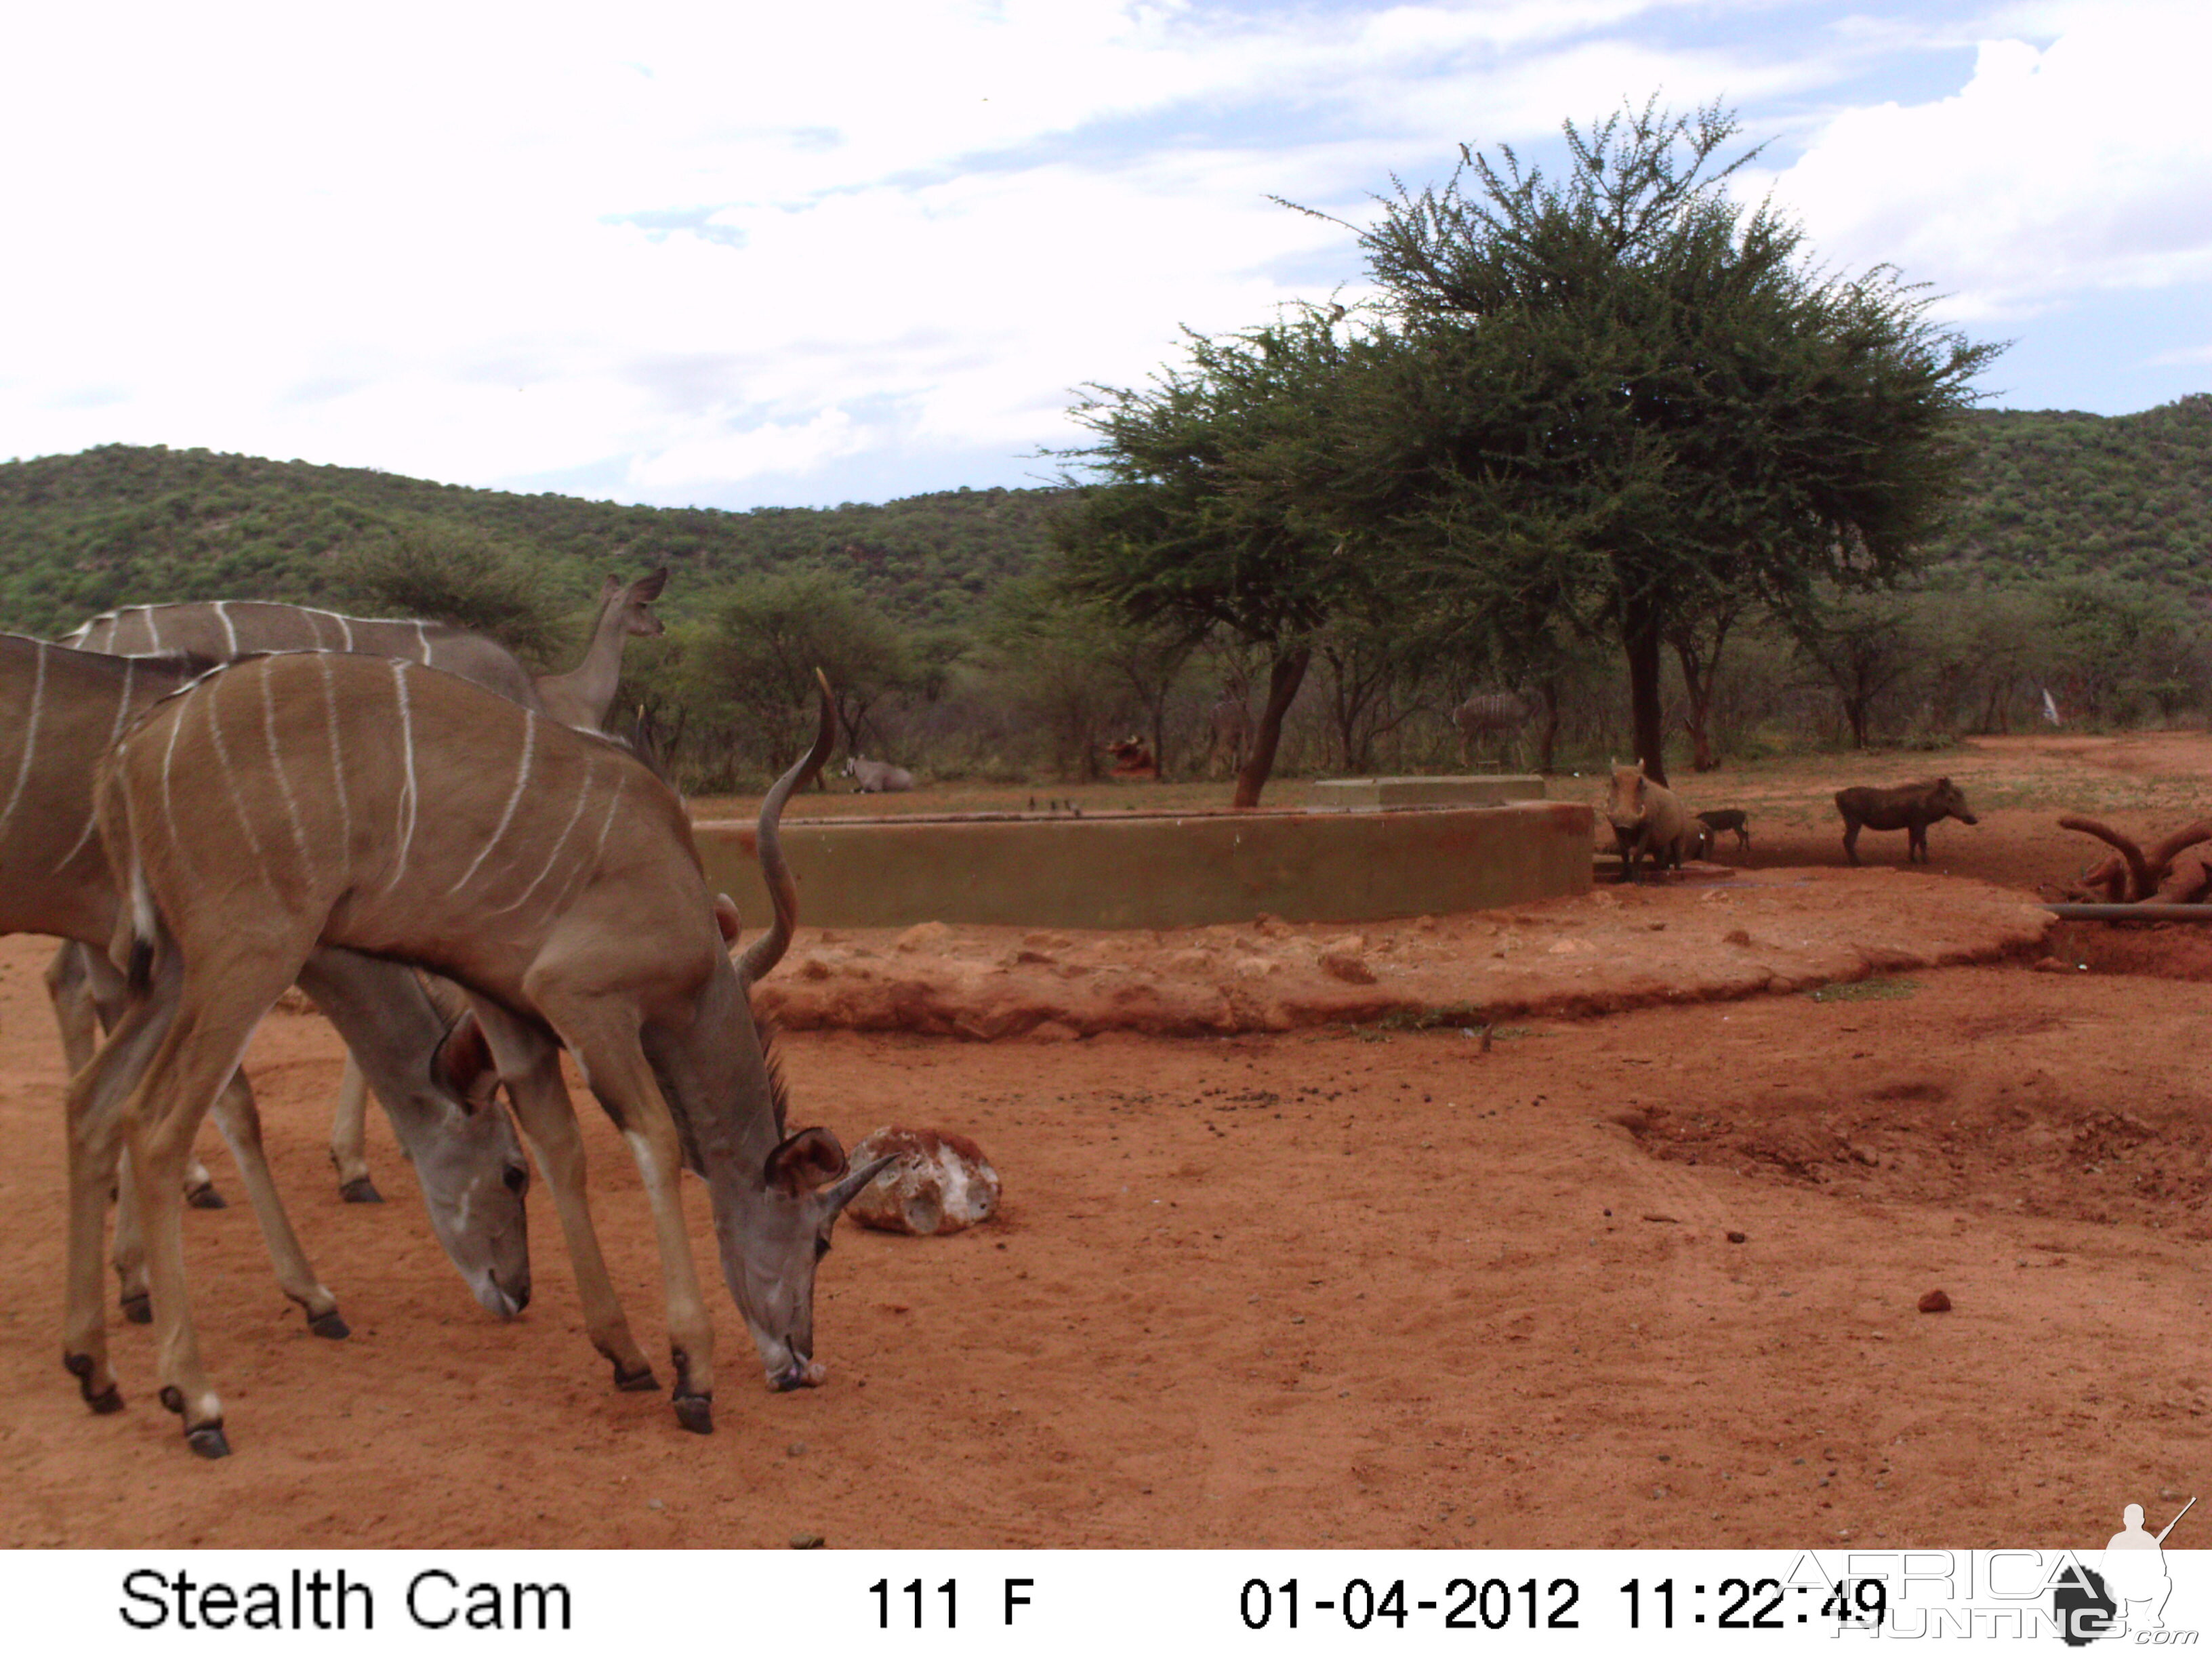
[(1494, 789), (1161, 870)]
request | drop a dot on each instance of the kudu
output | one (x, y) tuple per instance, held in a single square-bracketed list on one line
[(62, 709), (582, 696), (1229, 723), (405, 813), (221, 629), (1489, 714), (876, 777)]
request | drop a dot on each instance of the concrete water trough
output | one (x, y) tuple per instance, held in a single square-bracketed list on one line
[(1490, 789), (1161, 869)]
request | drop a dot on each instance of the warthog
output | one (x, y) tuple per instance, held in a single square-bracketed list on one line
[(877, 777), (1719, 823), (1908, 807), (1646, 817)]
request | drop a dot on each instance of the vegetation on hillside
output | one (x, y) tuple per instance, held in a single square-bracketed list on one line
[(124, 524), (2079, 559)]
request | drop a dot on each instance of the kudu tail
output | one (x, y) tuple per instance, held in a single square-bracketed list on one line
[(764, 952)]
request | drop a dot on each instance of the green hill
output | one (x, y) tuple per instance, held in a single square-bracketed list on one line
[(2053, 493), (2049, 494), (120, 524)]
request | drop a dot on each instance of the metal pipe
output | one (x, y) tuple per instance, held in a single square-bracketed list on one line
[(2131, 912)]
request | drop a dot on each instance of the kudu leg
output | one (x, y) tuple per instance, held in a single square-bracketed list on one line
[(95, 1109), (86, 992), (623, 1082), (240, 1120), (349, 1135), (221, 1000), (531, 1068)]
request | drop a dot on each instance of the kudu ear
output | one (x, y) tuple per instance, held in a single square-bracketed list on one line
[(646, 589), (610, 588), (804, 1162), (725, 918), (463, 1063)]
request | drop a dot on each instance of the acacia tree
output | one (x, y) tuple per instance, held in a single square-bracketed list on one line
[(1208, 511), (1699, 638), (1077, 663), (1622, 395), (750, 665)]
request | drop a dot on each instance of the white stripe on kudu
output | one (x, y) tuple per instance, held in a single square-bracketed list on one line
[(407, 747), (507, 816), (583, 793), (283, 780), (30, 736), (337, 764), (114, 730), (230, 779), (229, 634)]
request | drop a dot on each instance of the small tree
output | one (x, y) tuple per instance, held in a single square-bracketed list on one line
[(444, 573), (1209, 515), (1078, 664), (1862, 644), (752, 664)]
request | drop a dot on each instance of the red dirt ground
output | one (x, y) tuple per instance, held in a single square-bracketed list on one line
[(1337, 1284)]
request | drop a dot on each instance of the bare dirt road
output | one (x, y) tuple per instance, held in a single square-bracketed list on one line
[(1340, 1283)]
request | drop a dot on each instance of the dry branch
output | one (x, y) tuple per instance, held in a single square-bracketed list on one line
[(2134, 876)]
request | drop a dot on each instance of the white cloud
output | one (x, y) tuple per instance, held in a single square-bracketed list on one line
[(2081, 164), (693, 246)]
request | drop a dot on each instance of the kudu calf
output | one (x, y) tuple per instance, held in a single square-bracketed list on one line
[(402, 812), (60, 710), (582, 696)]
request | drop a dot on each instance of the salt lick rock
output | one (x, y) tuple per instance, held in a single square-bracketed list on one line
[(942, 1183)]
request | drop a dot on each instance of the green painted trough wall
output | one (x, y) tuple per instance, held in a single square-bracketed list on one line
[(1165, 870)]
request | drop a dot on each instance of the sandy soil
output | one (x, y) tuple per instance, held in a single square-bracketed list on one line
[(1340, 1285)]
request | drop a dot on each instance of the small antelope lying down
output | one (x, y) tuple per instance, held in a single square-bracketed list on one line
[(877, 777), (290, 801)]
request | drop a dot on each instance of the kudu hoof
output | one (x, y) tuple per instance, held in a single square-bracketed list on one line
[(695, 1411), (362, 1191), (207, 1441), (107, 1400), (207, 1198), (138, 1308), (330, 1324), (641, 1381)]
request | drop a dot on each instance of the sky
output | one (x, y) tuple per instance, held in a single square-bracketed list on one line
[(742, 254)]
